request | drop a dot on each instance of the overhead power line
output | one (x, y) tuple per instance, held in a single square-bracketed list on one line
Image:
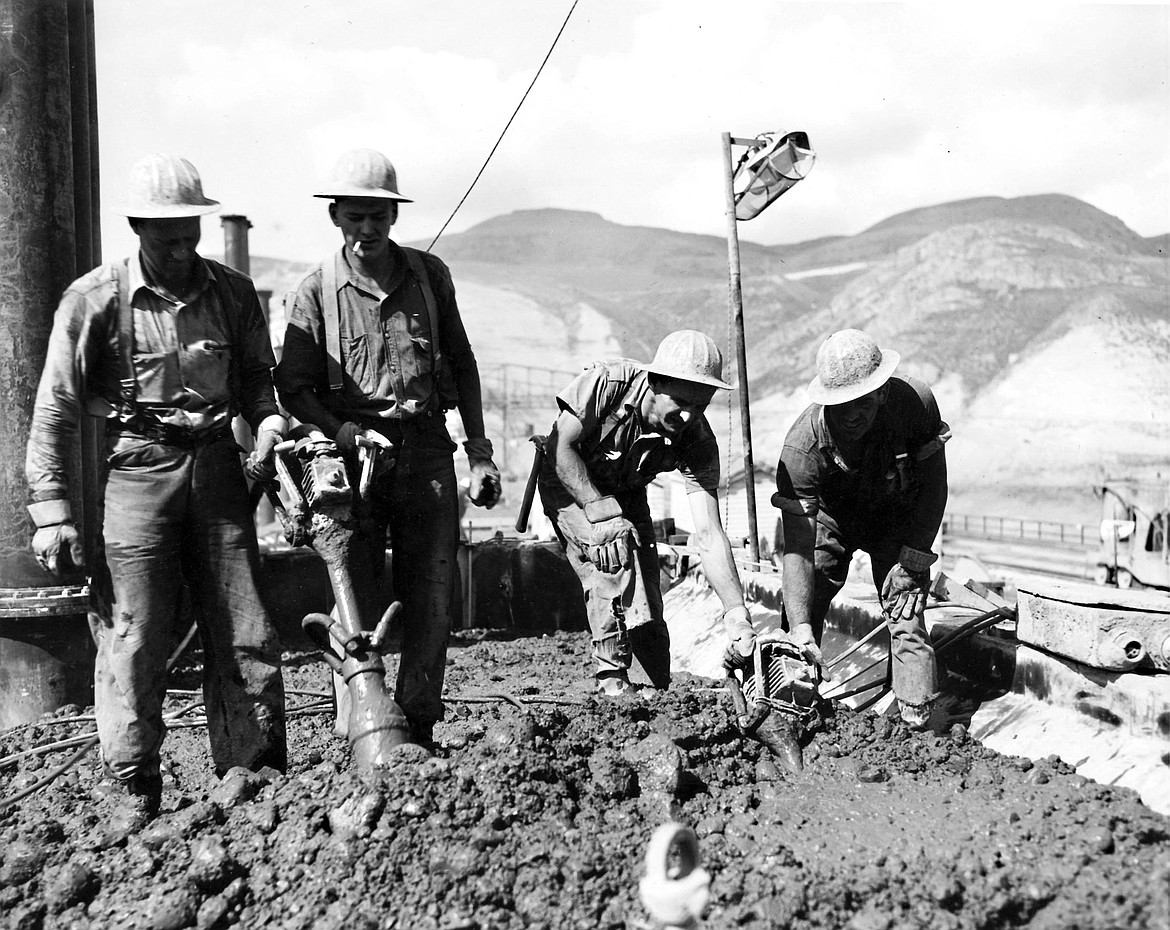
[(483, 167)]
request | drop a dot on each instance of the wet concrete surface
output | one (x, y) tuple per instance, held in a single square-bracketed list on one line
[(538, 816)]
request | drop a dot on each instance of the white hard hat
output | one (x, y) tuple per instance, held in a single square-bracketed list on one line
[(689, 356), (165, 187), (850, 365), (363, 173)]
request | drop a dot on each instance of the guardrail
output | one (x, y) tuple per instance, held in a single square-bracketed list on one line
[(974, 526), (1016, 528)]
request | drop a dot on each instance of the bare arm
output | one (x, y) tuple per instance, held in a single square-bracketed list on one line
[(570, 467), (797, 583), (712, 541)]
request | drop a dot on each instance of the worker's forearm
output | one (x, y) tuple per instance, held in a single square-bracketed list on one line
[(306, 407), (470, 400), (46, 460), (931, 504), (719, 567), (796, 585), (574, 475)]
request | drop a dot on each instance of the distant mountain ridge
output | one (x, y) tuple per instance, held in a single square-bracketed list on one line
[(1002, 303)]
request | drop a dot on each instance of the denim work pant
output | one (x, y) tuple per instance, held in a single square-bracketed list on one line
[(175, 516), (413, 508), (911, 653), (625, 607)]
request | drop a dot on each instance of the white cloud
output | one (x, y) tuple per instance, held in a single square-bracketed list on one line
[(907, 104)]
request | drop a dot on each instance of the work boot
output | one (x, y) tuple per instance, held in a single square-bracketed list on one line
[(144, 789), (125, 806), (915, 716), (650, 646), (423, 734), (614, 684)]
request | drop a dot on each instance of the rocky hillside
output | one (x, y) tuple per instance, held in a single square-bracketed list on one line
[(1043, 322)]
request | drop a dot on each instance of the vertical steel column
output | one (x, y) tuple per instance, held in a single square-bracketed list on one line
[(38, 254), (735, 299), (88, 243), (48, 236)]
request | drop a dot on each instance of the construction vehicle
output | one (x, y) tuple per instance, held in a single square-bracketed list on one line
[(1135, 544)]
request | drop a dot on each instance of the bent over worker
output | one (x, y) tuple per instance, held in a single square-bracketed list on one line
[(621, 423), (863, 468), (376, 351), (167, 347)]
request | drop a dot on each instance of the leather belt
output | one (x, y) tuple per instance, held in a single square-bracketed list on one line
[(167, 434)]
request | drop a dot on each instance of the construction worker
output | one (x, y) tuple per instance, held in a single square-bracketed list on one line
[(376, 351), (621, 423), (863, 468), (166, 347)]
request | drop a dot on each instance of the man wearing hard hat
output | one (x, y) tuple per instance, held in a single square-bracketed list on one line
[(166, 347), (375, 355), (621, 423), (863, 468)]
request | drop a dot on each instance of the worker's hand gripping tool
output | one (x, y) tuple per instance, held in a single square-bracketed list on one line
[(375, 454)]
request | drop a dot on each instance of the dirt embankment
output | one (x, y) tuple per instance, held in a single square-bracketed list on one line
[(539, 817)]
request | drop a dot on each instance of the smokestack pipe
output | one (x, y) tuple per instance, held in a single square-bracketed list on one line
[(235, 242), (235, 255)]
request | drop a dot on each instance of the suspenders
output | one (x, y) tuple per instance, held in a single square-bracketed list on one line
[(120, 272), (332, 313), (420, 272)]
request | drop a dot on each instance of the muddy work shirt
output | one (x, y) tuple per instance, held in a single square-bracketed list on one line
[(895, 485), (620, 450), (394, 366), (196, 364)]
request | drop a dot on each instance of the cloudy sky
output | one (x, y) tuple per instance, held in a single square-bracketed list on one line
[(906, 104)]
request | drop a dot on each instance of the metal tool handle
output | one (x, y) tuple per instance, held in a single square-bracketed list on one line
[(747, 721), (317, 627), (368, 452), (382, 630), (530, 487)]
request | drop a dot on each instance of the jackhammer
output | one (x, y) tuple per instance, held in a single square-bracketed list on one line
[(775, 698), (314, 502)]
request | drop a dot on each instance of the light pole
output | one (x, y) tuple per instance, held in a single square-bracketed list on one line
[(773, 162)]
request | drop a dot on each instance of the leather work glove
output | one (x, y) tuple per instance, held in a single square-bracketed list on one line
[(904, 590), (259, 465), (609, 546), (802, 636), (485, 489), (348, 433), (346, 438), (742, 638), (58, 548)]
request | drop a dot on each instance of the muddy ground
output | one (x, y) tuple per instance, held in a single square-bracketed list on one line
[(538, 816)]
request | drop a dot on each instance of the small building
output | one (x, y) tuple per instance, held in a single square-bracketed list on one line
[(668, 500)]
